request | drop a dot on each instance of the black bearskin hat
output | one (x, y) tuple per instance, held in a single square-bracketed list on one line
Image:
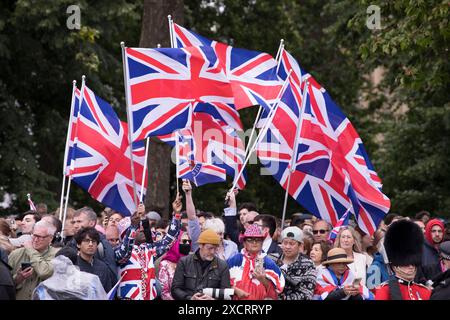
[(404, 243)]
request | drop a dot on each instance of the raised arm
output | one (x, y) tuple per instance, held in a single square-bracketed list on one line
[(194, 228), (123, 252), (163, 245), (229, 218)]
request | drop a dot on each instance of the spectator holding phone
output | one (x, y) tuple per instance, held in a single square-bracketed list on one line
[(337, 281), (32, 263)]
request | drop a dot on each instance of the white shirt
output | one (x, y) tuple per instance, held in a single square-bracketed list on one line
[(358, 266), (266, 244)]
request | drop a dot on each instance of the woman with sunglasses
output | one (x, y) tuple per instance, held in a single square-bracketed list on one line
[(169, 261)]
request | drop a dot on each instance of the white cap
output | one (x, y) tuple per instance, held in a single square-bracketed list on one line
[(294, 233), (153, 215)]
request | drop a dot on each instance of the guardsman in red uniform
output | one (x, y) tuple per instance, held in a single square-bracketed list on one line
[(403, 243)]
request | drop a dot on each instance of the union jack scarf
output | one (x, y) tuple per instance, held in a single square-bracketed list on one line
[(327, 282), (241, 268)]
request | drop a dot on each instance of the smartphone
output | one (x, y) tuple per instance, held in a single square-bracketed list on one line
[(356, 282), (25, 265)]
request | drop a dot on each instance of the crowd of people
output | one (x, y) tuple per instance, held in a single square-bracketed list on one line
[(240, 254)]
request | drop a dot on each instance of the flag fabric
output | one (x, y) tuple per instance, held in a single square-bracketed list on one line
[(163, 84), (101, 162), (72, 130), (249, 72), (31, 204), (138, 278), (216, 144), (327, 282), (241, 267), (343, 221), (188, 168), (332, 171)]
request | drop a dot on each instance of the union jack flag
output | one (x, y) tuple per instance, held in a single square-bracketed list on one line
[(215, 143), (343, 221), (164, 83), (101, 162), (138, 279), (249, 72), (188, 168), (332, 171), (72, 129)]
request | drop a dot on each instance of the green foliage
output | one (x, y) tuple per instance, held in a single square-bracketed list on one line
[(412, 99)]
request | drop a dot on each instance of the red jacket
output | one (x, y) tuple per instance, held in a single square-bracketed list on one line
[(409, 290)]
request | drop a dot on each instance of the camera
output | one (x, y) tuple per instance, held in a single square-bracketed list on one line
[(219, 294)]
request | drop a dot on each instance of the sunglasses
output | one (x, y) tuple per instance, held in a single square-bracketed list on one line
[(186, 241), (321, 231), (253, 240)]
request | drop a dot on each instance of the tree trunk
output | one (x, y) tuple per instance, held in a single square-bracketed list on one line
[(155, 29)]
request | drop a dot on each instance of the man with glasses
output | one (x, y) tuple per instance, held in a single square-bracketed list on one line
[(32, 264), (321, 230), (87, 242)]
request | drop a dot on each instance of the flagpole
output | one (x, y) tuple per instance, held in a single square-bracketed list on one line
[(281, 46), (66, 149), (72, 164), (65, 206), (263, 130), (177, 160), (172, 43), (141, 195), (295, 150), (129, 119)]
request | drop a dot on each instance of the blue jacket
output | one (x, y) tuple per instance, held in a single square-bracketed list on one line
[(377, 273)]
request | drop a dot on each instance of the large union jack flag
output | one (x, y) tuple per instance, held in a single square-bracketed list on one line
[(100, 158), (215, 143), (250, 72), (331, 169), (164, 85)]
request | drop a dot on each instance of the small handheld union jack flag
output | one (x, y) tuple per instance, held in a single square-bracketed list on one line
[(343, 221), (30, 202)]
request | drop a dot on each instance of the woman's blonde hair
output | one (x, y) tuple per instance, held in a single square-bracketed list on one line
[(356, 239)]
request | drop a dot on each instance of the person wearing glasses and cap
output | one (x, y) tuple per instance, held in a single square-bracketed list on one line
[(253, 271), (337, 281), (298, 270), (403, 243)]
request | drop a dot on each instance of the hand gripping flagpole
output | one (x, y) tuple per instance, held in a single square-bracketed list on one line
[(295, 150), (263, 131), (66, 149), (260, 107), (130, 120)]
